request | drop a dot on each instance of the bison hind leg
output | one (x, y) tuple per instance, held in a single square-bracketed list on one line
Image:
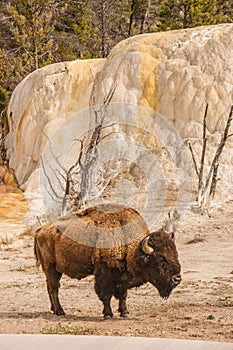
[(53, 283)]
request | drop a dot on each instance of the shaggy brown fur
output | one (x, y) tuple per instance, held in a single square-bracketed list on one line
[(106, 241)]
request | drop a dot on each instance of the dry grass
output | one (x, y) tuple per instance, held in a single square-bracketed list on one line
[(28, 232), (197, 239), (60, 329), (6, 240)]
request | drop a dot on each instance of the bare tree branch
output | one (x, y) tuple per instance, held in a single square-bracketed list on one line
[(215, 163), (211, 179), (55, 171), (69, 179), (213, 187), (49, 181), (194, 160), (52, 152), (40, 223), (76, 177), (202, 162), (145, 17), (50, 195), (220, 147), (110, 94)]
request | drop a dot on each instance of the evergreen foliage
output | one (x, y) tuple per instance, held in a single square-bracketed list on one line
[(3, 100), (34, 33)]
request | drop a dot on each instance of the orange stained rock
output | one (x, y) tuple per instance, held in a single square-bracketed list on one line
[(13, 205)]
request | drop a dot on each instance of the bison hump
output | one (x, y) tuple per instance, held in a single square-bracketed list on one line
[(105, 226)]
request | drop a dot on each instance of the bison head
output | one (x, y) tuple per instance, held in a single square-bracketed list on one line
[(157, 260)]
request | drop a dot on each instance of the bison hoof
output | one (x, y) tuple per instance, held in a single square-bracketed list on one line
[(108, 317), (59, 312), (125, 315)]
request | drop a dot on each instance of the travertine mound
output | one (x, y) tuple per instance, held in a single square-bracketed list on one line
[(174, 73)]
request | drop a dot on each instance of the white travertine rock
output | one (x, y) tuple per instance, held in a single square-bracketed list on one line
[(40, 104), (175, 73)]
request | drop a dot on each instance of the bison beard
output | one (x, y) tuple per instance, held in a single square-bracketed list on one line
[(149, 257)]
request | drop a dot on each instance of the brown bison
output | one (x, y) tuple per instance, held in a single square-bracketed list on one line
[(112, 243)]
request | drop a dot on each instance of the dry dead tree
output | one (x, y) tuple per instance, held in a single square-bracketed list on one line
[(73, 181), (207, 186)]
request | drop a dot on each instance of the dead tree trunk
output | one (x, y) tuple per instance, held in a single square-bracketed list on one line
[(215, 163), (201, 171), (145, 18), (207, 186)]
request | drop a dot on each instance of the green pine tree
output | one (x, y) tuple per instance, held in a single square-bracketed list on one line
[(31, 23), (176, 14)]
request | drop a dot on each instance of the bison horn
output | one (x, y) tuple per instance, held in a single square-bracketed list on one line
[(145, 247)]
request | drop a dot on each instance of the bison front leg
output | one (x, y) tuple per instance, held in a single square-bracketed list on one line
[(104, 290), (53, 283), (122, 295)]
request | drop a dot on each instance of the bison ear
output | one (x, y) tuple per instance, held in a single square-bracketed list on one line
[(172, 236)]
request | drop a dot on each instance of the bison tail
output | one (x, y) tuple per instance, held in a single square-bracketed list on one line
[(36, 252)]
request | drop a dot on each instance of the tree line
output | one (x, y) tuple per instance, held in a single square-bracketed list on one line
[(34, 33)]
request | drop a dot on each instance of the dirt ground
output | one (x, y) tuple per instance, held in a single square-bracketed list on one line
[(201, 307)]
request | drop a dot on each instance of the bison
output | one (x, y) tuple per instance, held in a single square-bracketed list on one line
[(112, 243)]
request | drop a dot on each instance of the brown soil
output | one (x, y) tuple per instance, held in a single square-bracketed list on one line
[(200, 308)]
